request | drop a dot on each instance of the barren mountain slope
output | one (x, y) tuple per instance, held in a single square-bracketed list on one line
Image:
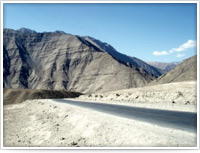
[(124, 58), (186, 71), (56, 60)]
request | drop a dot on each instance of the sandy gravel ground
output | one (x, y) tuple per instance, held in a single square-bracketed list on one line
[(36, 123), (180, 96)]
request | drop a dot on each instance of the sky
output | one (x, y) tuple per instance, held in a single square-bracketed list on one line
[(163, 32)]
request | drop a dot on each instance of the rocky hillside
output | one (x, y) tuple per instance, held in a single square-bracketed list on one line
[(186, 71), (129, 61), (60, 61)]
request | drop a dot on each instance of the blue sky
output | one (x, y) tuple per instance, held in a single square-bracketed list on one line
[(152, 32)]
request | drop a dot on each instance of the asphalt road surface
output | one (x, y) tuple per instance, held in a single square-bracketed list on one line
[(172, 119)]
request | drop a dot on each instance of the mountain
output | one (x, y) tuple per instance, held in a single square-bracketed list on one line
[(26, 30), (124, 58), (185, 71), (61, 61), (164, 66)]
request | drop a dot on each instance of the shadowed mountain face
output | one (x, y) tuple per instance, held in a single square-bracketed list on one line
[(60, 61), (185, 71), (127, 60)]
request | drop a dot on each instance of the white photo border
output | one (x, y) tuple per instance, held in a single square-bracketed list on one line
[(87, 148)]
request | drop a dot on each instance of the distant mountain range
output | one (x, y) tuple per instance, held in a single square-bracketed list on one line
[(185, 71), (164, 66), (62, 61)]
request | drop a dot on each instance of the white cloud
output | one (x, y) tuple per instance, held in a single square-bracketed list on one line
[(187, 45), (183, 47), (180, 55), (160, 53)]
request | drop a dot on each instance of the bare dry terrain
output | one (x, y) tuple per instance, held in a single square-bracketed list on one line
[(45, 123), (181, 96)]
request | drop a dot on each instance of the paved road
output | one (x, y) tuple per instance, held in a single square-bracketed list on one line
[(172, 119)]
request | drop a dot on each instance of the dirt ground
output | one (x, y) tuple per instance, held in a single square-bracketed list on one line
[(44, 123), (179, 96)]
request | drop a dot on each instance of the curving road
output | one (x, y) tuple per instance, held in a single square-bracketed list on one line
[(173, 119)]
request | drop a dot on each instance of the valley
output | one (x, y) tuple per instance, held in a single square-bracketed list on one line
[(64, 90)]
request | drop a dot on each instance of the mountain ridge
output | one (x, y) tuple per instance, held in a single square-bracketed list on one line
[(165, 66), (57, 60), (124, 58)]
